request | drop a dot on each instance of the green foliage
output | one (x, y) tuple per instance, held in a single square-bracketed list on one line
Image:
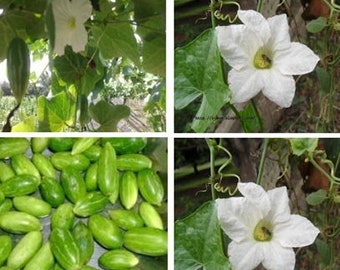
[(108, 115), (303, 145), (198, 74), (198, 242), (116, 30), (317, 197), (316, 25)]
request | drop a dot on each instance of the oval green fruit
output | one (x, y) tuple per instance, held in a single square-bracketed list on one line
[(128, 189), (133, 162), (126, 145), (25, 249), (118, 259), (83, 237), (150, 186), (5, 248), (19, 185), (44, 165), (82, 144), (105, 231), (92, 203), (42, 260), (51, 191), (91, 177), (73, 184), (65, 249), (61, 144), (23, 165), (150, 216), (107, 177), (126, 219), (63, 160), (19, 222), (6, 172), (18, 67), (32, 205), (39, 144), (63, 217), (147, 241), (10, 147)]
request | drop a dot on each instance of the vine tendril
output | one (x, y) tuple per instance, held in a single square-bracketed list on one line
[(226, 17), (218, 185)]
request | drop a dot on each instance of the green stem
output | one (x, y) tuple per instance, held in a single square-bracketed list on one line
[(212, 148), (259, 119), (259, 5), (263, 158), (236, 112), (212, 10), (316, 165)]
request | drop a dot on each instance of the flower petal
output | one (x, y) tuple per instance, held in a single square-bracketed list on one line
[(278, 88), (229, 41), (244, 84), (79, 39), (81, 9), (256, 195), (277, 257), (279, 27), (234, 218), (245, 255), (296, 60), (280, 211), (297, 232), (256, 23)]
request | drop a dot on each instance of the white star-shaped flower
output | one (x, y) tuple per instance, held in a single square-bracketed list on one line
[(69, 19), (263, 58), (262, 229)]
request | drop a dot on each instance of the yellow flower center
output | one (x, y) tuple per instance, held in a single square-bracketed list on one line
[(72, 22), (263, 231), (262, 59)]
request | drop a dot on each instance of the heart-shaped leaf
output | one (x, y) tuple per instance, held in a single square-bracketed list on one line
[(198, 73), (108, 115), (198, 243), (57, 113)]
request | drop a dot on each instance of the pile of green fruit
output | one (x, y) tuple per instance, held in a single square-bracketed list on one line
[(91, 190)]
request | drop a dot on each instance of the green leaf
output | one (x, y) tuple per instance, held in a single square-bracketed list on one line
[(317, 197), (198, 241), (71, 66), (316, 25), (324, 78), (249, 118), (57, 113), (108, 115), (28, 125), (7, 34), (198, 73), (116, 39), (325, 251), (302, 145), (150, 18)]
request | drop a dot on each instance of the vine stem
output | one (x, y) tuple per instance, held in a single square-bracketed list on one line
[(316, 165), (212, 17), (212, 148), (259, 5), (259, 119), (263, 158)]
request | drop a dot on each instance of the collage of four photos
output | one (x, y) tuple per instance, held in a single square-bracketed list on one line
[(180, 135)]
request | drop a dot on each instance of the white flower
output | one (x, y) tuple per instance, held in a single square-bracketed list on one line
[(263, 58), (69, 18), (262, 229)]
